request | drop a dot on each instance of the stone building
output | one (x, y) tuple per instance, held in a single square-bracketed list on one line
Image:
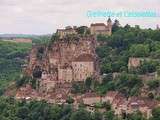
[(134, 62), (26, 92), (91, 99), (109, 97), (101, 28), (65, 73), (67, 31), (83, 67), (143, 105), (123, 106)]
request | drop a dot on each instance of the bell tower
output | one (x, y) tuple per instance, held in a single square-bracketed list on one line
[(109, 25)]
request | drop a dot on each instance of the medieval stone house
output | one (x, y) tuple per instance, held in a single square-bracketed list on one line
[(80, 68), (101, 28), (83, 67)]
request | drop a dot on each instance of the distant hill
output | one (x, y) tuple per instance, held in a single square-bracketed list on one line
[(21, 35), (38, 39)]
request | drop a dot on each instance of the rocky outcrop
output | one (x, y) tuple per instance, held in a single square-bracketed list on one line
[(65, 60)]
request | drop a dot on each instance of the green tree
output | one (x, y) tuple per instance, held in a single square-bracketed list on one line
[(97, 116), (139, 50), (109, 115), (135, 116), (88, 83), (81, 115), (156, 114), (70, 100), (115, 26), (23, 112), (153, 84)]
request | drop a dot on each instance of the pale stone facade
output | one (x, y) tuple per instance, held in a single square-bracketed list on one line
[(101, 28), (26, 92), (148, 76), (47, 85), (80, 69), (91, 99), (83, 67), (47, 82), (134, 62), (143, 105), (65, 74), (109, 97)]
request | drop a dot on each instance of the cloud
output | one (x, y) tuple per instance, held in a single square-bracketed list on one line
[(45, 16)]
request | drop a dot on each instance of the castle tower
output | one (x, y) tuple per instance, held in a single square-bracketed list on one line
[(109, 25)]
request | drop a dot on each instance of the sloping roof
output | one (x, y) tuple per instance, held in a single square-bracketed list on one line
[(142, 102), (84, 58), (98, 24), (60, 30), (111, 93), (109, 20), (90, 95)]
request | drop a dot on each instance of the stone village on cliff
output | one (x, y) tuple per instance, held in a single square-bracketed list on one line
[(64, 62)]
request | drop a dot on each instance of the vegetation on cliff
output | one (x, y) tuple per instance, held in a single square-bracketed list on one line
[(114, 53)]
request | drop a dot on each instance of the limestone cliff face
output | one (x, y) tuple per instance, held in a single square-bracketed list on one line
[(62, 52), (35, 61), (59, 58)]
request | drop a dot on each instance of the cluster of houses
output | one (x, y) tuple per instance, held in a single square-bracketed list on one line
[(119, 103)]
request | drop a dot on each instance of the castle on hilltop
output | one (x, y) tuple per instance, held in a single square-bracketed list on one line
[(95, 29), (101, 28)]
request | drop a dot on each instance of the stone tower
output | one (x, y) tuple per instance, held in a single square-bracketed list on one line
[(109, 24)]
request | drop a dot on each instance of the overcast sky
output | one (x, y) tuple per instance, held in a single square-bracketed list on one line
[(45, 16)]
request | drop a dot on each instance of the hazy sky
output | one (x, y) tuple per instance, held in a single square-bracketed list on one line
[(45, 16)]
